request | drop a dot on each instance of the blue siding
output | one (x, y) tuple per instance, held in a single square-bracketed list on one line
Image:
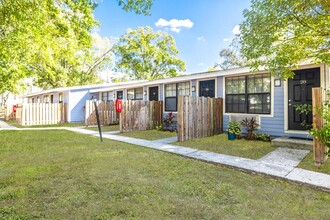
[(220, 87), (193, 83), (161, 92), (76, 105), (145, 93), (274, 126)]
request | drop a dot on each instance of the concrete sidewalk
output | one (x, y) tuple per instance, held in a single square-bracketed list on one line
[(281, 163), (4, 125)]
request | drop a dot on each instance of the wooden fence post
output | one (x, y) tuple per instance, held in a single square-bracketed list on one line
[(319, 149)]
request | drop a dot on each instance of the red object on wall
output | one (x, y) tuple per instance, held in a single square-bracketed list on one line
[(14, 108), (119, 105)]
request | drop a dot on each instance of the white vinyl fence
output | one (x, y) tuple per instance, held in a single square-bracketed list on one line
[(41, 113)]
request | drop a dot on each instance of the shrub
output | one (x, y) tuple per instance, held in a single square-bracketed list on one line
[(159, 127), (251, 125), (262, 137), (322, 134)]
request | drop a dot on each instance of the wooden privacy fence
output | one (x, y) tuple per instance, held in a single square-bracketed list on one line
[(199, 117), (41, 113), (107, 113), (319, 149), (140, 115)]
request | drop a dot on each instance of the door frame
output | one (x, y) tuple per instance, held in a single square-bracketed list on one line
[(323, 83), (158, 92), (207, 79)]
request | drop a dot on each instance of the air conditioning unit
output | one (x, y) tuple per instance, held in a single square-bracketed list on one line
[(239, 118)]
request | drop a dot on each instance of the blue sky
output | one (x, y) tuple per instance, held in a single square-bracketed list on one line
[(202, 29)]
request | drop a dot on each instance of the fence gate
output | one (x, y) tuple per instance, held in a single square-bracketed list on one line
[(140, 115), (107, 113), (199, 117)]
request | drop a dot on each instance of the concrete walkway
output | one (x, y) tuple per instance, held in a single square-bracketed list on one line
[(4, 125), (281, 163)]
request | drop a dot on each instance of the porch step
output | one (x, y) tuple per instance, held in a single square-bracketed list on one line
[(293, 143)]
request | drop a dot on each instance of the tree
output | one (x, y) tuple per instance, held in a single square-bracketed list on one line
[(230, 59), (50, 41), (145, 54), (279, 34)]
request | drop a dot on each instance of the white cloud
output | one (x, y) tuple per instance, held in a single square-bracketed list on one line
[(200, 64), (236, 29), (174, 24), (227, 39), (201, 38)]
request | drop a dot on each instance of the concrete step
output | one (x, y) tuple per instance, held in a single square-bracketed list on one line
[(293, 143)]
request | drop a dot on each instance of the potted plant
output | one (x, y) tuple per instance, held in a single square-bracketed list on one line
[(234, 130)]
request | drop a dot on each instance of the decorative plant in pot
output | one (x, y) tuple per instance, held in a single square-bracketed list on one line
[(251, 126), (234, 130)]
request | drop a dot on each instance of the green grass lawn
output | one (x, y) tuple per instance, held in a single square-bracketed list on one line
[(308, 164), (11, 122), (105, 128), (221, 144), (150, 134), (64, 175)]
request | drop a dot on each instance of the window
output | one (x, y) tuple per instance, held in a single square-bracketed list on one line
[(248, 94), (107, 96), (110, 96), (135, 94), (172, 91), (60, 98), (104, 96), (46, 99)]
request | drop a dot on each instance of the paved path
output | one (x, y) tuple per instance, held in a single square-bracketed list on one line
[(4, 125), (280, 163), (285, 156)]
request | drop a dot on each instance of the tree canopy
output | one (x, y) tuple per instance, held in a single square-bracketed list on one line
[(145, 54), (51, 41), (277, 34), (230, 59)]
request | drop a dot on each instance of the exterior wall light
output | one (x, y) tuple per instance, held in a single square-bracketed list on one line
[(277, 82)]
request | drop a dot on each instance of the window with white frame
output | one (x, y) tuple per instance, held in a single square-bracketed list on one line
[(172, 91), (248, 94), (135, 94)]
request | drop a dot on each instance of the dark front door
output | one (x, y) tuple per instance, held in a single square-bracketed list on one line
[(207, 88), (119, 94), (153, 93), (300, 92)]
